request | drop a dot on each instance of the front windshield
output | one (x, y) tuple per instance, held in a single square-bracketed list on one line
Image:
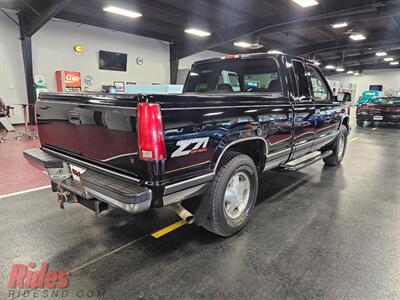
[(384, 101), (235, 76)]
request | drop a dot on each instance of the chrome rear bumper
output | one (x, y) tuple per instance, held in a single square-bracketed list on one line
[(118, 192)]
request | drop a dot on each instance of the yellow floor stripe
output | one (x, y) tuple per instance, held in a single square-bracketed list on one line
[(375, 128), (354, 139), (168, 229)]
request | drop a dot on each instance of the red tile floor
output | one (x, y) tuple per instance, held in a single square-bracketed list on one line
[(16, 174)]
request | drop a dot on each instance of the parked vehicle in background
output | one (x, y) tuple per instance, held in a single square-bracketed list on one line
[(379, 109), (238, 116), (367, 95)]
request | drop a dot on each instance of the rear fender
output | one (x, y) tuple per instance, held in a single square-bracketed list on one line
[(256, 147)]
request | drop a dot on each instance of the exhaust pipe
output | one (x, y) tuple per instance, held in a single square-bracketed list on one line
[(182, 213)]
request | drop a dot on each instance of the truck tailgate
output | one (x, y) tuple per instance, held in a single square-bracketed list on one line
[(98, 128)]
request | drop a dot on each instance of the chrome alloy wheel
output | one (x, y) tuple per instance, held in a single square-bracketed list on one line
[(340, 146), (237, 194)]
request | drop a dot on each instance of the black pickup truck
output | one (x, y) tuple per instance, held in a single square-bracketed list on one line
[(238, 116)]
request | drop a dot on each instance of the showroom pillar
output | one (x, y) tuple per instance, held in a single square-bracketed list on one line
[(26, 44), (173, 63), (34, 16)]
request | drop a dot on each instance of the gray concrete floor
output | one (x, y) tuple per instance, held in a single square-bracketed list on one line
[(326, 233)]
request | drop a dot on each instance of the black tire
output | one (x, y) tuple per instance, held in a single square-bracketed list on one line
[(217, 220), (336, 158), (360, 123)]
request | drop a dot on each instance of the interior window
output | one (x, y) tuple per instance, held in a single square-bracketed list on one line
[(201, 80), (303, 91), (229, 78), (268, 82), (320, 90), (235, 76)]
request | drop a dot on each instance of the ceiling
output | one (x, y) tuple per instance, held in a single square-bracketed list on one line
[(275, 24)]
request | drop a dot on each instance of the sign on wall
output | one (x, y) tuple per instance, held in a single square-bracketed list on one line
[(68, 81)]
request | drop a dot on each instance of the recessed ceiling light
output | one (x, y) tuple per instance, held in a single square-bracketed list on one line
[(306, 3), (274, 52), (340, 25), (247, 45), (394, 63), (350, 72), (388, 59), (197, 32), (242, 44), (356, 74), (381, 53), (339, 69), (316, 62), (330, 67), (357, 37), (122, 12)]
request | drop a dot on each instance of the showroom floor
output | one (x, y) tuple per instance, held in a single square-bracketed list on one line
[(330, 233)]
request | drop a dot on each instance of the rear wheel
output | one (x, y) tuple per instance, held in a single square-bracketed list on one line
[(232, 195), (360, 123), (338, 147)]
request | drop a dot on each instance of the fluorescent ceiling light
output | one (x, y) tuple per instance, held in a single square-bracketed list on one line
[(388, 59), (339, 69), (122, 12), (330, 67), (381, 53), (357, 37), (350, 72), (197, 32), (248, 45), (274, 52), (340, 25), (317, 63), (306, 3), (394, 63), (242, 44), (356, 74)]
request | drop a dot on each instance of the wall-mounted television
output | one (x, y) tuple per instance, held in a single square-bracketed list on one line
[(376, 87), (112, 61)]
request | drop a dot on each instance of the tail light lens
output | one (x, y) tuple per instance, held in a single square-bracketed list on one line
[(150, 132)]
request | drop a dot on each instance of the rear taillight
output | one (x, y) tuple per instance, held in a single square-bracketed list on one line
[(150, 132)]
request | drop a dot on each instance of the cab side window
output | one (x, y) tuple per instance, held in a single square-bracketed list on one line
[(319, 89), (303, 91)]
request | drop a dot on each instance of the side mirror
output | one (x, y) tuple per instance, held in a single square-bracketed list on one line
[(343, 97)]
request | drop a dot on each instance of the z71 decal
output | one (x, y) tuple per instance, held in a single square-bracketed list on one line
[(200, 145)]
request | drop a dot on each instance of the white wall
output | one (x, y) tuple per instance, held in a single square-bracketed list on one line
[(53, 50), (389, 78), (12, 77)]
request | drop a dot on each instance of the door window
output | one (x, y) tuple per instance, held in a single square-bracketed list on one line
[(319, 88), (303, 91)]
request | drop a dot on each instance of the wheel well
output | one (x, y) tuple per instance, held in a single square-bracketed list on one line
[(345, 122), (256, 149)]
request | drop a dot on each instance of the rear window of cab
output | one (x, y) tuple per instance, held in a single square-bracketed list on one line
[(235, 76)]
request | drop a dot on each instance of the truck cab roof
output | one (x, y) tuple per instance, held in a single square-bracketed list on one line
[(275, 54)]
